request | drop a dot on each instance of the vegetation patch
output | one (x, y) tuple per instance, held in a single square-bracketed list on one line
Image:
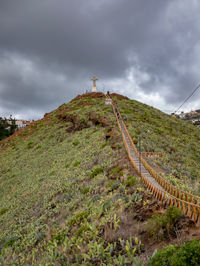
[(115, 170), (76, 163), (96, 171), (160, 226), (112, 185), (168, 135), (85, 190), (175, 255), (65, 207), (131, 181), (3, 210)]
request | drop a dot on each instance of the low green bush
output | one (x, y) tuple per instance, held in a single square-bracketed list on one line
[(96, 171), (75, 164), (112, 185), (159, 224), (172, 215), (38, 147), (136, 197), (85, 190), (2, 211), (185, 255), (76, 143), (52, 173), (79, 217), (58, 238), (30, 145), (131, 181), (82, 229), (104, 145), (115, 170)]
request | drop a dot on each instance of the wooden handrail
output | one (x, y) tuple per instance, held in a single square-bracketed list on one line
[(170, 194), (158, 178)]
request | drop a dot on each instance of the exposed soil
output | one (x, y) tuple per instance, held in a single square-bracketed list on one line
[(133, 225), (118, 96), (98, 95), (96, 120), (76, 123), (89, 95)]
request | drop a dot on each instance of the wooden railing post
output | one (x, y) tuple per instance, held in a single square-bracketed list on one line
[(176, 197)]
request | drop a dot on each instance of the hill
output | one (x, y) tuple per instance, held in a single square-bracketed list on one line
[(68, 194), (177, 140)]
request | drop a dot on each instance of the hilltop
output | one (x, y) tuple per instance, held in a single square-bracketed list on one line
[(69, 195)]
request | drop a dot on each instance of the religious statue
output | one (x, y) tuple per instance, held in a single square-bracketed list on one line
[(94, 88)]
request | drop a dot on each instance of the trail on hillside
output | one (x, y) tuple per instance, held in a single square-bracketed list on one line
[(188, 203)]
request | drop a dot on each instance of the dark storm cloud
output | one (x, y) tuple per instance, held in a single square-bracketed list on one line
[(60, 32), (49, 49)]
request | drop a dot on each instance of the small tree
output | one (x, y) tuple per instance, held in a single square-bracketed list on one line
[(7, 127)]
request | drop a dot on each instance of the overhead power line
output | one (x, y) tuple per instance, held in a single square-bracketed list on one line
[(188, 98)]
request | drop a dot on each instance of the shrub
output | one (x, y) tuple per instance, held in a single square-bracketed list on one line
[(131, 181), (112, 185), (2, 211), (52, 172), (103, 145), (187, 254), (80, 217), (115, 170), (58, 238), (107, 205), (159, 224), (38, 147), (8, 242), (136, 197), (85, 190), (76, 143), (122, 189), (30, 145), (96, 171), (76, 163), (172, 215), (135, 141), (84, 228)]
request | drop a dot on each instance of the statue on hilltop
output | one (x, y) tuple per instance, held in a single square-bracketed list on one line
[(94, 88)]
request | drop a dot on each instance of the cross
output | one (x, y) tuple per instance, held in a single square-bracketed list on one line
[(94, 88)]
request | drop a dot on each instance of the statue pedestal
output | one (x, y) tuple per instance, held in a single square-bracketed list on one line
[(94, 89)]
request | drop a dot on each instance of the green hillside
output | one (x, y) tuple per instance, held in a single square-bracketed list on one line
[(176, 139), (69, 196)]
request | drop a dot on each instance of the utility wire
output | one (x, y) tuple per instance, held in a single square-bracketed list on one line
[(188, 98)]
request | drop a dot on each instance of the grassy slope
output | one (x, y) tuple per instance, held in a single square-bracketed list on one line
[(69, 196), (178, 140), (55, 188)]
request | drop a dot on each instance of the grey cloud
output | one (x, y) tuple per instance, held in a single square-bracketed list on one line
[(74, 33), (67, 41)]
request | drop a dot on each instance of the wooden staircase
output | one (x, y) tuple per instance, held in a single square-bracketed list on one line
[(161, 189)]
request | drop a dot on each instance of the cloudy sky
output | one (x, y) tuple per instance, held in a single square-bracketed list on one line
[(49, 49)]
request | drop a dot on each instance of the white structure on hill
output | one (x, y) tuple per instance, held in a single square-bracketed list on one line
[(22, 123), (108, 101), (94, 88)]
